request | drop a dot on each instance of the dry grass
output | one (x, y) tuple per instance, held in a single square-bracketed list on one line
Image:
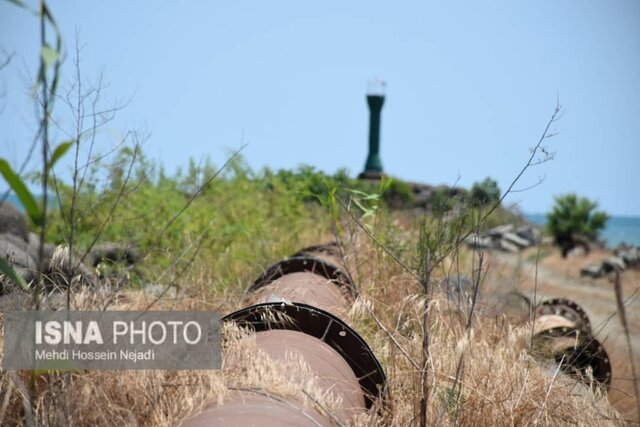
[(498, 383)]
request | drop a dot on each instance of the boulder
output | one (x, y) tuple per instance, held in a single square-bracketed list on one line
[(530, 233), (34, 248), (630, 256), (612, 263), (516, 240), (500, 230), (507, 246), (18, 258), (13, 221), (113, 252), (18, 242), (592, 270), (476, 241)]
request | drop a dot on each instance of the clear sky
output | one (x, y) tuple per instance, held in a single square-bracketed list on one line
[(470, 86)]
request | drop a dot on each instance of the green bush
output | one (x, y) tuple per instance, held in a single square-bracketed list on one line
[(399, 195), (485, 193), (574, 221), (233, 228), (442, 201)]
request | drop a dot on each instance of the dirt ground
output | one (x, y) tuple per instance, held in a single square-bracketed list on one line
[(552, 276)]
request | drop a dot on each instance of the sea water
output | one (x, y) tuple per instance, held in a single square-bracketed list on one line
[(619, 229)]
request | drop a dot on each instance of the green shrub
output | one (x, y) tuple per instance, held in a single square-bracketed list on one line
[(574, 221), (399, 195), (442, 201), (485, 193)]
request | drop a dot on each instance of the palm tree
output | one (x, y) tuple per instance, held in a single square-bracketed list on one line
[(574, 222)]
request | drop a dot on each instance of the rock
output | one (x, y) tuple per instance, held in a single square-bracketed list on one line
[(157, 290), (479, 242), (622, 247), (16, 241), (34, 248), (18, 258), (592, 270), (578, 251), (613, 263), (530, 233), (507, 246), (113, 252), (630, 256), (500, 230), (13, 221), (516, 240)]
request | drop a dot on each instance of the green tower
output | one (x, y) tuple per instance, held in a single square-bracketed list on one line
[(375, 100)]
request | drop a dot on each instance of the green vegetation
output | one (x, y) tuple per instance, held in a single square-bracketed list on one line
[(399, 195), (442, 201), (575, 222), (234, 220), (210, 231), (485, 193)]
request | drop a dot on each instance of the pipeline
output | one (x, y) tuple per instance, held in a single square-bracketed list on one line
[(562, 331), (298, 306)]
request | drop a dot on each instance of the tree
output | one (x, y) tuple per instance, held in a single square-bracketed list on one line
[(574, 221), (485, 193)]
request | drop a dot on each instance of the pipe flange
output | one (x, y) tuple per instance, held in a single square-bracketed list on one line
[(578, 351), (299, 264), (324, 326), (330, 248), (568, 309)]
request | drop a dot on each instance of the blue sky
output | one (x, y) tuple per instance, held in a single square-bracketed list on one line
[(470, 86)]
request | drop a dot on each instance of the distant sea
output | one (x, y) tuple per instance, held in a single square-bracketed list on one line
[(619, 229)]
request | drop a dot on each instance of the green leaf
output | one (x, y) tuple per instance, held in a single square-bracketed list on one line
[(59, 152), (8, 271), (21, 190)]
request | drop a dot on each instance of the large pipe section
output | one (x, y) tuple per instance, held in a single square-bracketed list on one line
[(562, 331), (297, 307)]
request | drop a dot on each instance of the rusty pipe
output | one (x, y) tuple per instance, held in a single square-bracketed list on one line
[(297, 307), (245, 408), (562, 332)]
